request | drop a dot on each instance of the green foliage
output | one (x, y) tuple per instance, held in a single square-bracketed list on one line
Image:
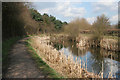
[(58, 24), (47, 23), (52, 18), (46, 18), (64, 23), (19, 19), (35, 15)]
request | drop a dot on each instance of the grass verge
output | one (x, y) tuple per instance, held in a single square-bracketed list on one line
[(48, 71), (6, 46)]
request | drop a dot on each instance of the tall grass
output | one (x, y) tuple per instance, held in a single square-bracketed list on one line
[(66, 66), (47, 71)]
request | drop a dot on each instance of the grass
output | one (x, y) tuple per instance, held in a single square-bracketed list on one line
[(105, 36), (6, 46), (48, 71), (111, 37)]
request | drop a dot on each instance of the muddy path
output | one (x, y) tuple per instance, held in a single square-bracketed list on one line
[(21, 63)]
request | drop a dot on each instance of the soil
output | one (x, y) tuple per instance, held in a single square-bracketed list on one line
[(21, 64)]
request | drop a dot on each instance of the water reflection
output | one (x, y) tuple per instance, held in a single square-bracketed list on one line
[(94, 59)]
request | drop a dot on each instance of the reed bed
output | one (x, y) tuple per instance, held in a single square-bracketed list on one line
[(65, 65)]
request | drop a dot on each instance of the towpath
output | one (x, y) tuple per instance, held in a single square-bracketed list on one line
[(21, 63)]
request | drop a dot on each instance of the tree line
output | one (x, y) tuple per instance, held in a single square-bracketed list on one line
[(46, 23), (18, 19), (99, 28)]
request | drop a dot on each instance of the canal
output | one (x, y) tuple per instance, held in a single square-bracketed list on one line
[(93, 59)]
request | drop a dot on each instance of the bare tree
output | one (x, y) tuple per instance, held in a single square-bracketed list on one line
[(99, 27), (74, 27)]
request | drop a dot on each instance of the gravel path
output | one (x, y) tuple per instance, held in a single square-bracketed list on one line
[(21, 63)]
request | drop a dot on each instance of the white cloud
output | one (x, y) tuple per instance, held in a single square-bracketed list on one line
[(74, 12), (91, 20), (105, 6), (114, 19), (109, 8), (44, 11), (68, 11), (107, 1), (67, 0), (65, 9)]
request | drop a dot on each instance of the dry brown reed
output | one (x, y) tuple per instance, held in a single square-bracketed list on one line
[(66, 66)]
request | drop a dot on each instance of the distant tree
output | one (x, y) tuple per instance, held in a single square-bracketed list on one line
[(71, 30), (45, 14), (118, 24), (114, 26), (46, 18), (99, 27), (101, 24), (58, 24), (46, 23), (74, 27), (52, 18), (83, 24), (65, 23), (36, 15)]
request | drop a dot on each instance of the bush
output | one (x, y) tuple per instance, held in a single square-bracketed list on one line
[(99, 28), (74, 27)]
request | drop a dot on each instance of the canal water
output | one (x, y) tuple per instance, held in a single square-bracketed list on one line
[(93, 59)]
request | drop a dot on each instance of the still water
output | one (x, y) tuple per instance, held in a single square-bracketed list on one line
[(97, 60)]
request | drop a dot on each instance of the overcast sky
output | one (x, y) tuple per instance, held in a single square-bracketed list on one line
[(67, 11)]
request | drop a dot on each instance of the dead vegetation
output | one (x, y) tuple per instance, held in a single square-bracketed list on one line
[(66, 66), (74, 28)]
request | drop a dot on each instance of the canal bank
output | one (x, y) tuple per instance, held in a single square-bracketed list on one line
[(105, 43), (109, 43), (97, 59), (65, 65)]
